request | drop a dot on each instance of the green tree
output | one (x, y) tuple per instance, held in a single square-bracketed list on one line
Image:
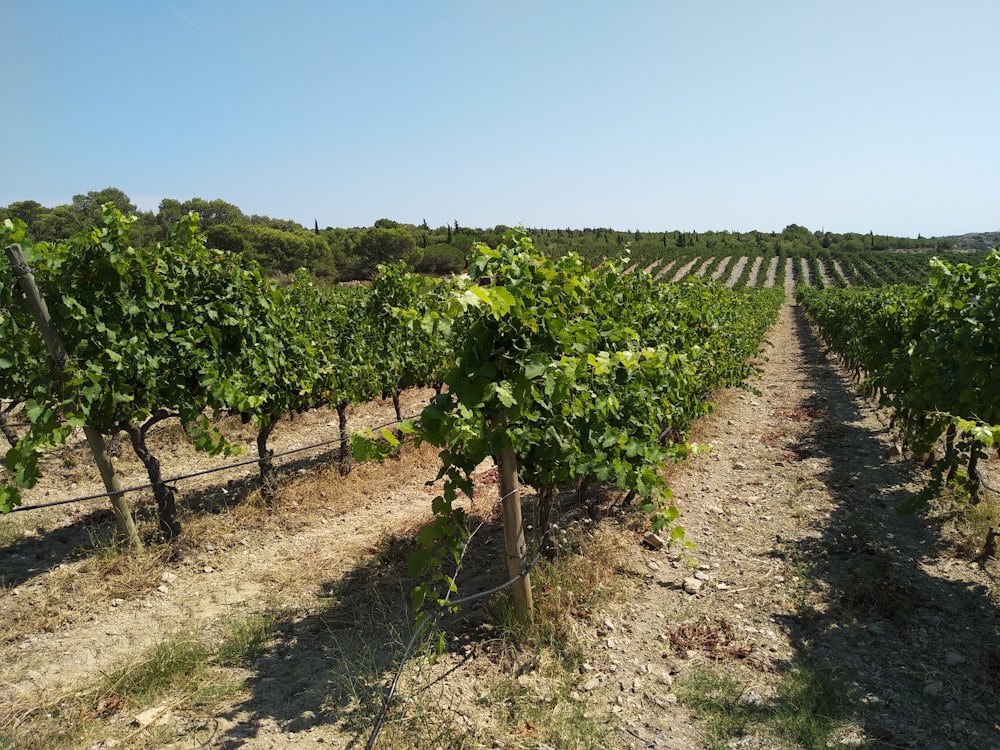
[(90, 204), (226, 237), (283, 251), (382, 246), (210, 213), (59, 223), (27, 211)]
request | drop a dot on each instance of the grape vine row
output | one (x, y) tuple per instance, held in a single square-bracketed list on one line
[(930, 353)]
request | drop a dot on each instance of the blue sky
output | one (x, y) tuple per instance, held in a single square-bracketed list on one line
[(844, 115)]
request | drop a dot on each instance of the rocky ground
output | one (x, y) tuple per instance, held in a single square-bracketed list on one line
[(800, 564)]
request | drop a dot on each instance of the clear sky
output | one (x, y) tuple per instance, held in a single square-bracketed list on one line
[(844, 115)]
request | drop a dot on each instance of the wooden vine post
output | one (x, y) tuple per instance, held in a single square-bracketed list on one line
[(40, 312), (513, 535)]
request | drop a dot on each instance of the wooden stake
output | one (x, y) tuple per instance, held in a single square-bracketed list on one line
[(40, 312), (513, 535)]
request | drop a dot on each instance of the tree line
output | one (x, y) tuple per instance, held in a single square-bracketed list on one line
[(352, 253)]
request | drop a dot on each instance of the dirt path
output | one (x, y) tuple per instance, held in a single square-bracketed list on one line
[(800, 561)]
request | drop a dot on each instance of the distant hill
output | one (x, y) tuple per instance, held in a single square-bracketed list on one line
[(981, 241)]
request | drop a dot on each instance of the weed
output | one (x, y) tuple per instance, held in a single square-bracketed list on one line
[(576, 581), (245, 638), (718, 700), (45, 728), (170, 666), (808, 711), (810, 708), (973, 520), (11, 531)]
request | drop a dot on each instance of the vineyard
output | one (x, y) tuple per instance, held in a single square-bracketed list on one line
[(584, 381), (930, 354)]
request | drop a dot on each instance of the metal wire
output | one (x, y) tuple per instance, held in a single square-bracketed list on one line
[(227, 467)]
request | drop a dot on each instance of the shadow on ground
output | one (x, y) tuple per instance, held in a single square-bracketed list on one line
[(333, 666), (34, 552), (916, 647)]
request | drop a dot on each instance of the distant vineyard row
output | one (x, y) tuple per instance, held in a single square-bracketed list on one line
[(814, 269)]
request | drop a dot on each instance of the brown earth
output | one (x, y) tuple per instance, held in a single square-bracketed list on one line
[(800, 561)]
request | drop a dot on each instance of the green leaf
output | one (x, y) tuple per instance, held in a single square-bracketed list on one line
[(536, 366), (418, 595), (10, 498), (503, 393), (12, 230)]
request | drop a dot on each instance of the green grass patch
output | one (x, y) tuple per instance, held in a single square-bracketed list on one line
[(717, 699), (246, 637), (171, 666), (809, 710)]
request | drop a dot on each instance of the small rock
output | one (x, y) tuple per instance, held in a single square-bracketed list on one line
[(152, 716), (168, 577), (586, 667), (611, 643), (692, 585), (753, 698), (739, 466), (934, 689), (208, 569), (953, 659), (661, 702), (652, 566), (653, 541), (702, 575), (163, 589)]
